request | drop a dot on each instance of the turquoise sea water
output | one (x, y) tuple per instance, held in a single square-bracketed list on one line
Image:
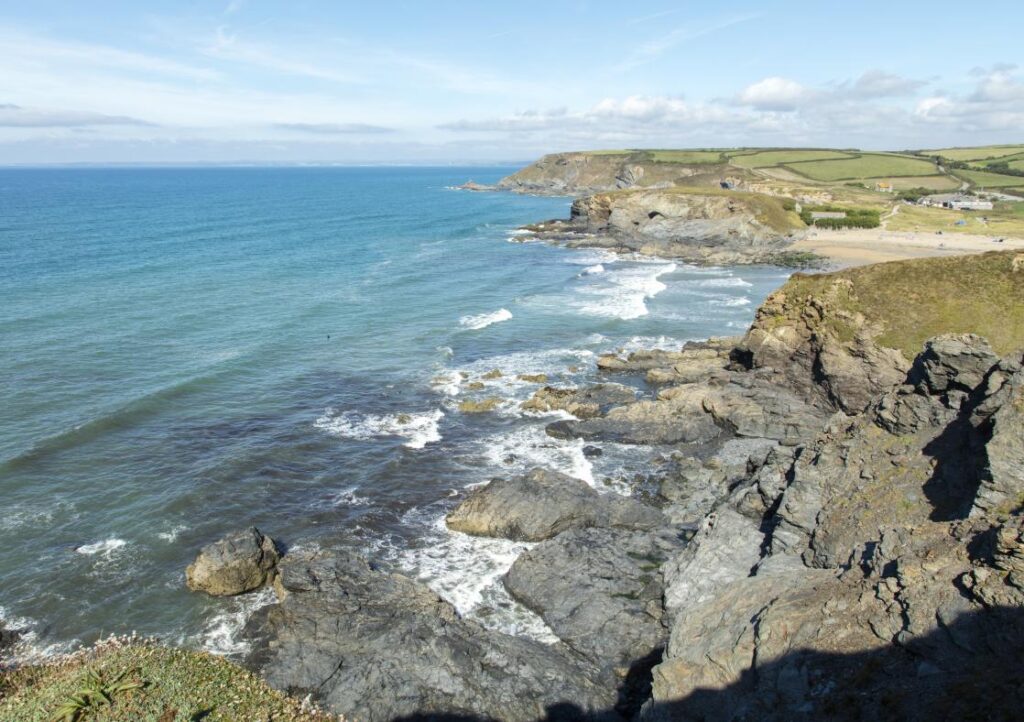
[(188, 351)]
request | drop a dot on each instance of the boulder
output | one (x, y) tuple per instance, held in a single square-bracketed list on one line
[(239, 562), (600, 592), (544, 503), (481, 406), (376, 646)]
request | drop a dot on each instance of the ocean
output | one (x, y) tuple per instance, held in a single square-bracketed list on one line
[(185, 352)]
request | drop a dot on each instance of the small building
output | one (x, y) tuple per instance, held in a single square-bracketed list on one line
[(884, 186), (968, 203), (727, 185), (818, 215)]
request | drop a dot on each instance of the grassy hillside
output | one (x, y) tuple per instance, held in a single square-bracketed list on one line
[(874, 165), (916, 300), (143, 682)]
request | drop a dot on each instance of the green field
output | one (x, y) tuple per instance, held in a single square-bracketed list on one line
[(936, 183), (982, 179), (768, 158), (685, 156), (871, 165), (980, 153)]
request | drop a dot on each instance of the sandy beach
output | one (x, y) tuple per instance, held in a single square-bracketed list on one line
[(858, 247)]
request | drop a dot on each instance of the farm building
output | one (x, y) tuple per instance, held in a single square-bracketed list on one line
[(884, 186), (817, 215), (967, 203)]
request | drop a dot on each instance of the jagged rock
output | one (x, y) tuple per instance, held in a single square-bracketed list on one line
[(482, 406), (544, 503), (636, 361), (582, 403), (239, 562), (376, 646), (599, 590), (953, 362), (826, 354), (533, 378), (643, 422), (1000, 417), (726, 548)]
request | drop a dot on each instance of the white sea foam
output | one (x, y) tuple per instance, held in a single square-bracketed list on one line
[(483, 320), (28, 649), (736, 301), (448, 383), (724, 282), (467, 571), (221, 634), (592, 270), (348, 497), (623, 293), (171, 534), (106, 548), (555, 363), (419, 429), (528, 447)]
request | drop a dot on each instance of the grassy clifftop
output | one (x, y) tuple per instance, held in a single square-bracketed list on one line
[(915, 300), (132, 682)]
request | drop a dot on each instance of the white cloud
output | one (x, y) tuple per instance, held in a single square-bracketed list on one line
[(14, 116), (334, 128), (880, 84), (775, 93)]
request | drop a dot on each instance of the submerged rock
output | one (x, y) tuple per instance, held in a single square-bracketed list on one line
[(544, 503), (583, 403), (377, 646), (482, 406), (239, 562)]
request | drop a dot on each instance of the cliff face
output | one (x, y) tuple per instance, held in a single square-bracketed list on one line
[(708, 226), (585, 173), (843, 338)]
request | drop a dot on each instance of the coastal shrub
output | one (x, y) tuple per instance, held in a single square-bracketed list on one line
[(126, 679), (788, 204), (855, 217)]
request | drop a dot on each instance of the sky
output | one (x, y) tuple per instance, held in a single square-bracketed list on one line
[(192, 81)]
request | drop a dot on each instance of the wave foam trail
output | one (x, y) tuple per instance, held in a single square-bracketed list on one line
[(483, 320), (222, 634), (419, 429), (623, 293), (592, 270), (530, 447), (107, 547), (467, 571), (726, 282)]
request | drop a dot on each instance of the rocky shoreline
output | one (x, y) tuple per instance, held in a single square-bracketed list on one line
[(836, 533)]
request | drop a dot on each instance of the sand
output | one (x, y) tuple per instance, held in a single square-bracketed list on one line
[(858, 247)]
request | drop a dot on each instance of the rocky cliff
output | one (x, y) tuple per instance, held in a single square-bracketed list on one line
[(700, 226), (586, 173)]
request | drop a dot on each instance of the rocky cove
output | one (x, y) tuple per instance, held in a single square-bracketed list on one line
[(835, 532), (831, 528)]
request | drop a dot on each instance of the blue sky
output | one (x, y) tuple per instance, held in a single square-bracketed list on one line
[(419, 82)]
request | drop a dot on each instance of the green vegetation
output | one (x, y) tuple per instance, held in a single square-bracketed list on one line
[(982, 179), (132, 681), (931, 183), (698, 157), (766, 158), (918, 299), (980, 153), (873, 165), (855, 217)]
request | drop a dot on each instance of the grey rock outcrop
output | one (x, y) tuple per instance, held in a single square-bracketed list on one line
[(866, 574), (542, 504), (825, 354), (377, 646), (600, 591), (239, 562)]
